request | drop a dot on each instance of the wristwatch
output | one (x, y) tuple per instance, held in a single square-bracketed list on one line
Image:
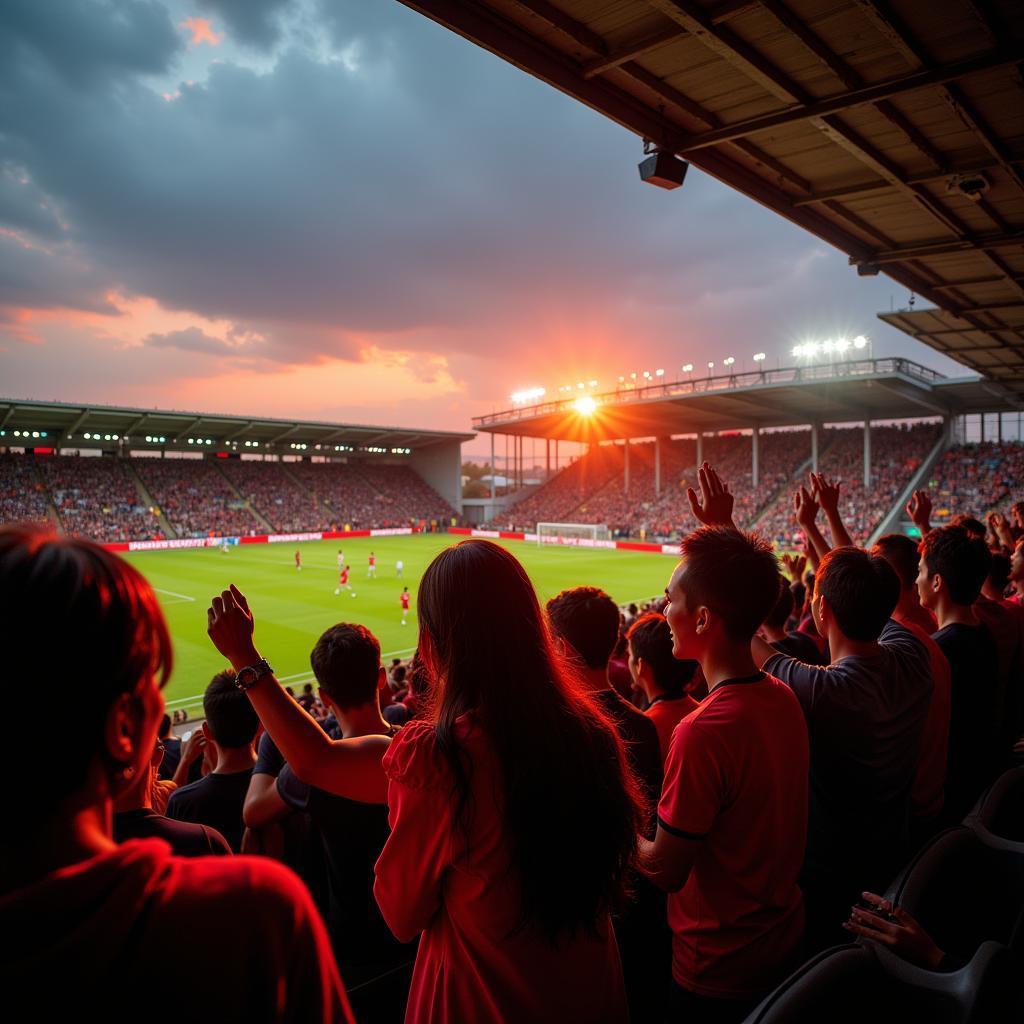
[(251, 674)]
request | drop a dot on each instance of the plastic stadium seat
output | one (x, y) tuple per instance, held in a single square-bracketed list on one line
[(1000, 811), (964, 891), (857, 984)]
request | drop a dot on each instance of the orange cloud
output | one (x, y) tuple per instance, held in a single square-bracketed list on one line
[(202, 31)]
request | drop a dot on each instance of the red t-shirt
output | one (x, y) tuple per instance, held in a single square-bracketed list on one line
[(465, 901), (373, 559), (736, 780), (666, 713), (928, 794), (343, 577), (405, 600)]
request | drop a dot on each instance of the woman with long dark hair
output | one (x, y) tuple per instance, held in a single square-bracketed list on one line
[(514, 816)]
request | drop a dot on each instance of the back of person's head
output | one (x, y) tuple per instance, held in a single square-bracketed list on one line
[(587, 619), (735, 575), (165, 727), (799, 592), (999, 571), (231, 719), (782, 609), (307, 688), (962, 561), (901, 552), (398, 675), (84, 622), (974, 527), (650, 639), (346, 663), (861, 589), (562, 763)]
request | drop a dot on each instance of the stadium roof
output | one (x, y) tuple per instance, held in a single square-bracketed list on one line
[(876, 389), (67, 424), (896, 135)]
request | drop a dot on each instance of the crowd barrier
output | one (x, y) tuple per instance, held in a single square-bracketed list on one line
[(263, 538)]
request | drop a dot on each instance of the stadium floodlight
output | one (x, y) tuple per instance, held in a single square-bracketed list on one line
[(527, 395), (659, 373), (688, 368), (711, 364), (592, 384), (647, 374), (728, 361), (35, 433), (860, 341), (759, 357), (632, 376), (585, 406)]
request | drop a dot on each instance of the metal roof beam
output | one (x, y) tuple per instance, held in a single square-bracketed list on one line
[(287, 433), (844, 101), (966, 244), (237, 433)]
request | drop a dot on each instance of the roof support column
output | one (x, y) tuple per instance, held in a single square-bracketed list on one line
[(867, 454), (755, 444), (625, 468), (494, 476), (657, 465), (700, 448), (814, 447), (547, 457), (556, 454), (981, 427)]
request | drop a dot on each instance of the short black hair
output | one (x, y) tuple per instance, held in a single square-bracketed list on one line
[(307, 688), (783, 609), (165, 726), (974, 527), (651, 639), (960, 559), (587, 619), (346, 663), (734, 574), (902, 553), (861, 589), (231, 718)]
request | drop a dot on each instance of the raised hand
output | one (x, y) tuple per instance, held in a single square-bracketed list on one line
[(714, 507), (805, 508), (230, 626), (827, 493), (795, 565), (919, 508)]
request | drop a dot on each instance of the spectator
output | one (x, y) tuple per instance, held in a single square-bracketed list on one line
[(952, 569), (660, 675), (230, 730), (135, 818), (513, 812), (865, 715), (733, 812), (792, 643), (172, 748), (254, 947)]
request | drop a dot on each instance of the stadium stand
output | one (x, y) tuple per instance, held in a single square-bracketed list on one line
[(96, 498), (276, 495), (346, 493), (977, 479), (196, 498), (22, 496), (399, 486)]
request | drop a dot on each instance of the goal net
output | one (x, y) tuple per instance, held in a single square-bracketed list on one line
[(572, 534)]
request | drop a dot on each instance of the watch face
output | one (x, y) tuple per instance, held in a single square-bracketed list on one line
[(246, 677)]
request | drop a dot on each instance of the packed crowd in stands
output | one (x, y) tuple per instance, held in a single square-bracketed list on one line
[(977, 478), (96, 498), (195, 498), (896, 454), (272, 490), (22, 495), (773, 759)]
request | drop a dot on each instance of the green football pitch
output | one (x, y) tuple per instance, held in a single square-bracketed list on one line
[(292, 608)]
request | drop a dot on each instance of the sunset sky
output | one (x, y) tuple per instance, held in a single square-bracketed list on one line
[(337, 209)]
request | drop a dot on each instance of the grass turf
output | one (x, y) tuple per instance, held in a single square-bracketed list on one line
[(293, 608)]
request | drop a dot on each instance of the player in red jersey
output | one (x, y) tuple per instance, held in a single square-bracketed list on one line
[(405, 604), (371, 569), (298, 560), (343, 583)]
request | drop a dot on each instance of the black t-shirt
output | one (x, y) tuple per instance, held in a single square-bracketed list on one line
[(172, 756), (186, 839), (800, 646), (973, 723), (351, 836), (215, 800)]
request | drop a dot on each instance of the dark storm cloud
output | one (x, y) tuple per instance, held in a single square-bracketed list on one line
[(190, 339), (252, 22)]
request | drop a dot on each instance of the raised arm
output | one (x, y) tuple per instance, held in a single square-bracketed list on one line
[(805, 509), (349, 768), (826, 493), (714, 506), (919, 508)]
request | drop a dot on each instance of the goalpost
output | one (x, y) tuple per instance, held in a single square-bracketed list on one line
[(572, 534)]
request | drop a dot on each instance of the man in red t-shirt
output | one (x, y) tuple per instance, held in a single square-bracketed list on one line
[(343, 583), (732, 819), (404, 598), (371, 568)]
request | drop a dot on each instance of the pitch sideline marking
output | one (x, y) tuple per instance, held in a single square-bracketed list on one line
[(183, 597)]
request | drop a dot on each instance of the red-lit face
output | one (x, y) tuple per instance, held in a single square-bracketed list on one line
[(681, 622)]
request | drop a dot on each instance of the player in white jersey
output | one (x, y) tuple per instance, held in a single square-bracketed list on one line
[(341, 559), (399, 567)]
